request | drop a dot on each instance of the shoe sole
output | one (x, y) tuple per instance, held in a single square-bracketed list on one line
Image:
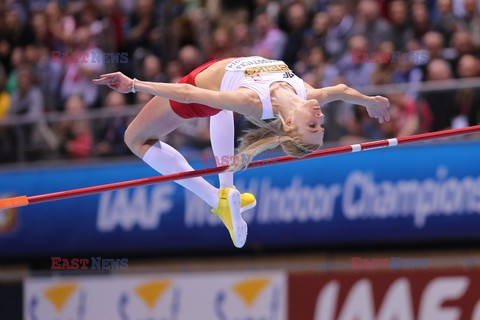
[(240, 228), (250, 206)]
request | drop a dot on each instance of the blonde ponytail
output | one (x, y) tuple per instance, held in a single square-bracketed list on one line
[(269, 135)]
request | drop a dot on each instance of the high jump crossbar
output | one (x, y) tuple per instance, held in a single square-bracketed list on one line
[(26, 200)]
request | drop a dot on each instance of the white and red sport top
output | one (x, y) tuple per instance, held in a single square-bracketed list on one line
[(257, 74)]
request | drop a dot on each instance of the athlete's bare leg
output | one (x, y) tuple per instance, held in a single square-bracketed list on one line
[(154, 121), (143, 137)]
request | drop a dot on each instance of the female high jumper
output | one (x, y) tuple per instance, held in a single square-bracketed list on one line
[(256, 87)]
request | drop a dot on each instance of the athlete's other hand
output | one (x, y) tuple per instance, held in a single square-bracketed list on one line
[(116, 81), (379, 109)]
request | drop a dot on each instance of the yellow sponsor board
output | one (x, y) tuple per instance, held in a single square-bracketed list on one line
[(254, 71)]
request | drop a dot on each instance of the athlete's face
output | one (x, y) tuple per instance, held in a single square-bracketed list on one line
[(308, 120)]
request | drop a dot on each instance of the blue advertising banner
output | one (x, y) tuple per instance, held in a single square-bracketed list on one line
[(426, 192)]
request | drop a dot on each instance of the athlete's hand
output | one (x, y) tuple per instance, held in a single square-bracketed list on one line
[(116, 81), (379, 109)]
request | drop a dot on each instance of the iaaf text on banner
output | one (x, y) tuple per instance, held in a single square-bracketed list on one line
[(421, 192), (402, 295)]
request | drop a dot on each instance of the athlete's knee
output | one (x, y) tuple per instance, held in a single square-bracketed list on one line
[(136, 143), (131, 139)]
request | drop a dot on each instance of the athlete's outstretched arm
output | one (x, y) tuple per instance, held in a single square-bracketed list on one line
[(377, 106), (241, 100)]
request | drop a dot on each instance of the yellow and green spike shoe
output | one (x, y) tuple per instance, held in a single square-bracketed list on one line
[(248, 202), (228, 210)]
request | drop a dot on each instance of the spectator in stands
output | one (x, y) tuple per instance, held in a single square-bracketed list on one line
[(5, 47), (4, 96), (112, 35), (405, 116), (201, 24), (78, 76), (140, 24), (401, 32), (372, 25), (190, 58), (174, 71), (183, 34), (28, 101), (44, 68), (272, 8), (472, 20), (39, 60), (42, 36), (222, 44), (356, 74), (440, 102), (297, 24), (174, 34), (434, 43), (407, 72), (76, 139), (61, 26), (420, 20), (317, 34), (17, 60), (89, 18), (359, 128), (7, 139), (446, 23), (269, 41), (152, 69), (383, 73), (467, 100), (317, 68), (15, 31), (462, 42), (111, 131), (106, 32), (339, 30), (242, 44)]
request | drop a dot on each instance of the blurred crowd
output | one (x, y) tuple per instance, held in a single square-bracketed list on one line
[(165, 39)]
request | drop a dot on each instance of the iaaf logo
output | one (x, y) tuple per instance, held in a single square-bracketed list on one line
[(92, 56), (260, 299), (158, 297), (418, 57), (394, 263), (94, 263), (209, 160), (408, 297), (62, 299), (143, 207)]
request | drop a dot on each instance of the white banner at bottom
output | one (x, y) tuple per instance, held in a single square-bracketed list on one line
[(212, 296)]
